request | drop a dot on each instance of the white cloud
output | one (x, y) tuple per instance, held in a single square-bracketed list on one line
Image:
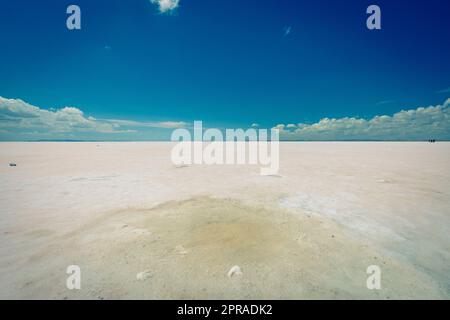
[(19, 118), (385, 102), (444, 90), (161, 124), (166, 5), (419, 124)]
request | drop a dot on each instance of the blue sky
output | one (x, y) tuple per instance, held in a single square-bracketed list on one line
[(227, 63)]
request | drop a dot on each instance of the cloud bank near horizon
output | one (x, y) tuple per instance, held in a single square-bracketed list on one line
[(20, 120), (431, 122)]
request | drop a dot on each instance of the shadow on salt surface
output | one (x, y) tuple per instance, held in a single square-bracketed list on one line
[(273, 176), (194, 243), (181, 166), (343, 209), (101, 178), (210, 248)]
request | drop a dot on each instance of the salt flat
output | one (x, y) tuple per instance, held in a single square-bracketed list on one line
[(122, 209)]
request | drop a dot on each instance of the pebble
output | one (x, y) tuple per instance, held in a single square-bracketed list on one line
[(141, 276), (180, 250), (235, 271)]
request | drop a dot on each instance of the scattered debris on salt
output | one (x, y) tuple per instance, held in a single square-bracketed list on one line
[(181, 250), (141, 276), (141, 231), (384, 181), (235, 271)]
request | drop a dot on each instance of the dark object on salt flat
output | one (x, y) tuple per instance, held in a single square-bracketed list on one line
[(13, 165)]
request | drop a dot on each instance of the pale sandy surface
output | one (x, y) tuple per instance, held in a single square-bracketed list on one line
[(118, 209)]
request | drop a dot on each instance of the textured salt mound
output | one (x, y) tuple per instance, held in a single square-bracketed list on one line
[(234, 271)]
